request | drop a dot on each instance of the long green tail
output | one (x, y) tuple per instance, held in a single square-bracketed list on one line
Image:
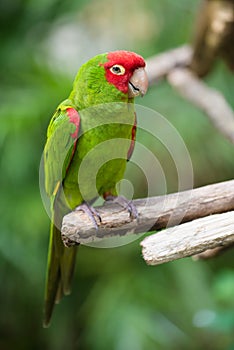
[(60, 269)]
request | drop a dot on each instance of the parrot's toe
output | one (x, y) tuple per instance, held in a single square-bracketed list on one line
[(91, 212), (125, 203)]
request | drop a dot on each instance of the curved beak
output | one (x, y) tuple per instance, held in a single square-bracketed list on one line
[(138, 84)]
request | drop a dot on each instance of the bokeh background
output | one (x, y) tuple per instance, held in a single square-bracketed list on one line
[(117, 301)]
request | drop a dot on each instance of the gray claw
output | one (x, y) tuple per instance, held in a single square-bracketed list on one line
[(124, 203), (91, 212)]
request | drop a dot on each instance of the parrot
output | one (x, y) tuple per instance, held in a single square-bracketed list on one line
[(90, 138)]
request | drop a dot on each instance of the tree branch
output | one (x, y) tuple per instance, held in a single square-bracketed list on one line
[(172, 65), (154, 213), (160, 65), (208, 100), (189, 239)]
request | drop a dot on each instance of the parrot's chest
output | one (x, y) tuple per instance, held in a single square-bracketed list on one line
[(99, 161)]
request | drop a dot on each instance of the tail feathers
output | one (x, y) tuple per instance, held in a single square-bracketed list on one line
[(61, 263), (59, 293), (67, 268)]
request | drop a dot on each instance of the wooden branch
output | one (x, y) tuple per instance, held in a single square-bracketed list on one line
[(208, 100), (160, 65), (172, 65), (214, 35), (189, 239), (154, 213)]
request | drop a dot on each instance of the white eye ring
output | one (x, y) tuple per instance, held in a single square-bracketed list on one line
[(117, 69)]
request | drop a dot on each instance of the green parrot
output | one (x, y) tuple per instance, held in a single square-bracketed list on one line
[(89, 140)]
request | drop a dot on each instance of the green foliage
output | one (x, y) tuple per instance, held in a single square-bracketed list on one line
[(117, 301)]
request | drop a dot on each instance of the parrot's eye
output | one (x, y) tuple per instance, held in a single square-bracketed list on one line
[(117, 69)]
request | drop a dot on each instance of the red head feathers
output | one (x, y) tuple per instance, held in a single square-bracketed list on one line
[(125, 70)]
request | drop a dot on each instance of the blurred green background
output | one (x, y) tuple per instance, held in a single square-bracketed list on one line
[(117, 301)]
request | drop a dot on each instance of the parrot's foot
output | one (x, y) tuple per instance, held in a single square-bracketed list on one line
[(91, 212), (124, 203)]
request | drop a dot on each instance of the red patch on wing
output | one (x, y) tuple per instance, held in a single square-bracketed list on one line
[(74, 118), (129, 60)]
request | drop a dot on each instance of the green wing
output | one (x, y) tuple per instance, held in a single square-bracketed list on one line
[(58, 153), (60, 146)]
